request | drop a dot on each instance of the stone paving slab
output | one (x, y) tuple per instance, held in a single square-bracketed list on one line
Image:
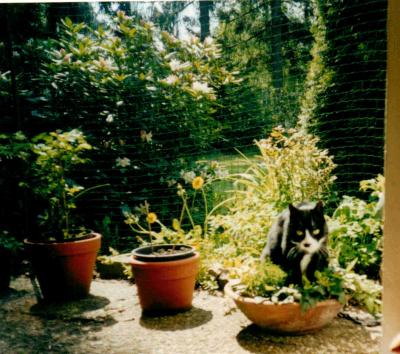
[(110, 321)]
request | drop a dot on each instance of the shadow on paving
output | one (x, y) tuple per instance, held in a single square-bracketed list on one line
[(32, 328), (192, 318), (11, 294), (257, 340), (341, 336), (68, 310), (111, 320)]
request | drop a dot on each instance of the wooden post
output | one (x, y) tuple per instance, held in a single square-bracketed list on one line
[(391, 259)]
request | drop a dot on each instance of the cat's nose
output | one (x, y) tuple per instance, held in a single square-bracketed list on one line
[(306, 245)]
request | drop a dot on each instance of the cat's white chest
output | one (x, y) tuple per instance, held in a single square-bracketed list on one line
[(305, 261)]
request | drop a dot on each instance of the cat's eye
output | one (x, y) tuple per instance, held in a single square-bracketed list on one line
[(316, 232), (299, 233)]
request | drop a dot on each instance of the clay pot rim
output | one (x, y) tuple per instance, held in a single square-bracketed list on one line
[(148, 257), (89, 237), (228, 290), (178, 262)]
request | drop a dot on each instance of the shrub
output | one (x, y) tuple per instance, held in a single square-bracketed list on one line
[(262, 279), (14, 160), (267, 282), (290, 168), (356, 230), (54, 158), (148, 97)]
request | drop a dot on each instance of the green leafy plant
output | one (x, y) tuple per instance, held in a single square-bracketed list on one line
[(14, 146), (9, 242), (362, 291), (15, 157), (261, 279), (156, 231), (329, 284), (110, 234), (267, 282), (57, 155), (150, 97), (289, 168), (356, 230)]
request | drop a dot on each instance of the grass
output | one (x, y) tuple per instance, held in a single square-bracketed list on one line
[(232, 162)]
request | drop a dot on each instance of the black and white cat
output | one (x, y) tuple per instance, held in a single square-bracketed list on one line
[(297, 241)]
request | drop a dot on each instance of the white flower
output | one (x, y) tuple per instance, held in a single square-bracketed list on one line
[(201, 87), (171, 182), (110, 118), (176, 65), (170, 80), (124, 162), (208, 41), (221, 173), (188, 176), (104, 64), (146, 137), (130, 218)]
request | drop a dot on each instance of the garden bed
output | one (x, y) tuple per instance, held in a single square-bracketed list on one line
[(110, 320)]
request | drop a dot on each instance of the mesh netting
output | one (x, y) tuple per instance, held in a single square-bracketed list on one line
[(154, 107)]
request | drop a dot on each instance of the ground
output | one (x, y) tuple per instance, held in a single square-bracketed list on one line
[(110, 321)]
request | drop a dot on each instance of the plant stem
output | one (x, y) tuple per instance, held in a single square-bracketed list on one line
[(149, 226), (188, 213), (182, 214), (205, 226), (90, 189), (65, 207), (194, 198), (145, 232), (185, 207), (151, 239)]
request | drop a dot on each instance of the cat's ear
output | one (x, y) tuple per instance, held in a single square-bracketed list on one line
[(319, 207)]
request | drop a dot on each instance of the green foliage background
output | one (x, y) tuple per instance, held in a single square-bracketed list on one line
[(319, 65), (346, 88)]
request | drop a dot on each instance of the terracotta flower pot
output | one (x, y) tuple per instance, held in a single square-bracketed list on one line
[(166, 285), (286, 318), (64, 269)]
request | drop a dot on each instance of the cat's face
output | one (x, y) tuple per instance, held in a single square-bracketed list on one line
[(307, 228)]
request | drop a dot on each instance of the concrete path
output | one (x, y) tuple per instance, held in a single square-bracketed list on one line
[(110, 321)]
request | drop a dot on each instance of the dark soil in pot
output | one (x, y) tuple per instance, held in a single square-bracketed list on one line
[(161, 253)]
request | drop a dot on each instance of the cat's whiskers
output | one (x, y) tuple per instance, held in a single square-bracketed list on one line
[(293, 252), (323, 251)]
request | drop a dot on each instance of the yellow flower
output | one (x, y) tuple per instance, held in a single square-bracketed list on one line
[(151, 218), (276, 134), (176, 225), (198, 182)]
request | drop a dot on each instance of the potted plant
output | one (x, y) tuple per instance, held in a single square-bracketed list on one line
[(63, 254), (165, 269), (262, 293), (8, 247)]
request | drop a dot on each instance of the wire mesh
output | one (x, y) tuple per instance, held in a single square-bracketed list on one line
[(280, 49)]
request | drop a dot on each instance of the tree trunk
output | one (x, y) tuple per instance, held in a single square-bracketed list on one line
[(205, 7), (276, 43)]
